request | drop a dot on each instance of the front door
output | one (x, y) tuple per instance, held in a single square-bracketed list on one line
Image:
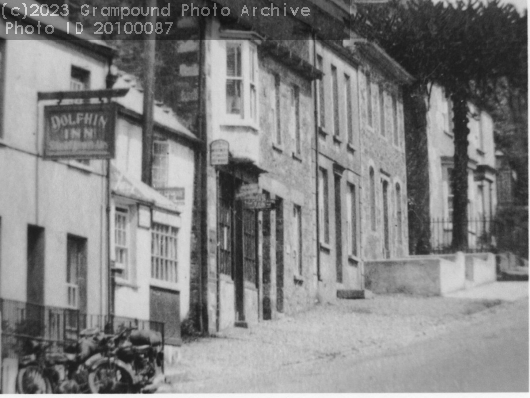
[(164, 307)]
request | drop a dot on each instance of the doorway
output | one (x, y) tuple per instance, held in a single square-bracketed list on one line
[(386, 227)]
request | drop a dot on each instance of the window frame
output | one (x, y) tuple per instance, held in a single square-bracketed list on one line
[(123, 211), (324, 206), (321, 94), (277, 114), (249, 78), (381, 104), (171, 233), (335, 101), (369, 105), (349, 106), (399, 213), (351, 209), (298, 239), (395, 122), (295, 104), (372, 193), (160, 167)]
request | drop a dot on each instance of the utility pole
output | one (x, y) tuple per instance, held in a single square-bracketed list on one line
[(149, 96)]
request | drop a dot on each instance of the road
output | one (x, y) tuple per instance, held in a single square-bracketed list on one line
[(486, 356)]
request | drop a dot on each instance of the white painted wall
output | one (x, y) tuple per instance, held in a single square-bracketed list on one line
[(54, 195), (132, 297)]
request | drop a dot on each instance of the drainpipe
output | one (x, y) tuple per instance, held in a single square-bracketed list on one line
[(202, 187), (315, 106)]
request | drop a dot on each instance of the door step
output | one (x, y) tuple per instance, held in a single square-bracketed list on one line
[(241, 324), (351, 294)]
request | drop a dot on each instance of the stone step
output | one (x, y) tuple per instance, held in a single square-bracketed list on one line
[(352, 294)]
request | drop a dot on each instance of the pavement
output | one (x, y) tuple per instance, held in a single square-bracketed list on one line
[(505, 291), (347, 328)]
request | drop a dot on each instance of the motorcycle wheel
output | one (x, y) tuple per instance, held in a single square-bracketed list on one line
[(108, 378), (31, 380)]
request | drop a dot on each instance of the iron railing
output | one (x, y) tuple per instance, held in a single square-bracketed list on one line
[(481, 235), (22, 321)]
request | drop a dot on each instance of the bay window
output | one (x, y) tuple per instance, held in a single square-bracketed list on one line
[(241, 85)]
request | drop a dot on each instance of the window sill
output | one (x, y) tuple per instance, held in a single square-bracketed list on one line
[(322, 132), (325, 247), (277, 148), (79, 166), (337, 140), (298, 280), (125, 283), (164, 284), (350, 148), (480, 152), (2, 143), (296, 157), (448, 134), (250, 124), (353, 260)]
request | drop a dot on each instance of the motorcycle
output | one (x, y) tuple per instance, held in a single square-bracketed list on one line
[(131, 362), (44, 372)]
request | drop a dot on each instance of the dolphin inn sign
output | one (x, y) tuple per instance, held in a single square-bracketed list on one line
[(83, 131)]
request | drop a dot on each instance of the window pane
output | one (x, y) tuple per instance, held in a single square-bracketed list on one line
[(349, 116), (233, 60), (336, 113), (234, 97), (321, 99)]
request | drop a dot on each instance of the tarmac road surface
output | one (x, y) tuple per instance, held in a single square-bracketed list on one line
[(487, 356)]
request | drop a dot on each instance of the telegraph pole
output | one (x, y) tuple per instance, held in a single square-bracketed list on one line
[(149, 97)]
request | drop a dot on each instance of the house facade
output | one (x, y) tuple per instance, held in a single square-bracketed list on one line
[(52, 212), (291, 112), (481, 171), (151, 225)]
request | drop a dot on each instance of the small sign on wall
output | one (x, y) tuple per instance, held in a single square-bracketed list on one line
[(176, 194), (219, 153)]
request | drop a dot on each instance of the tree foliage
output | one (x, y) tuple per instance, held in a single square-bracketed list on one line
[(467, 47)]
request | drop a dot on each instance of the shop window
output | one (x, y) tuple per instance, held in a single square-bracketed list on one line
[(164, 264)]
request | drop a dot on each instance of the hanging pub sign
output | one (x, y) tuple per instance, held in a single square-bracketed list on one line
[(81, 131)]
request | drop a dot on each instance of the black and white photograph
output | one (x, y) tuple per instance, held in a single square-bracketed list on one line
[(264, 196)]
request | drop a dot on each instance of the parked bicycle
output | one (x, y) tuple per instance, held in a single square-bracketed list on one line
[(130, 362), (42, 371)]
